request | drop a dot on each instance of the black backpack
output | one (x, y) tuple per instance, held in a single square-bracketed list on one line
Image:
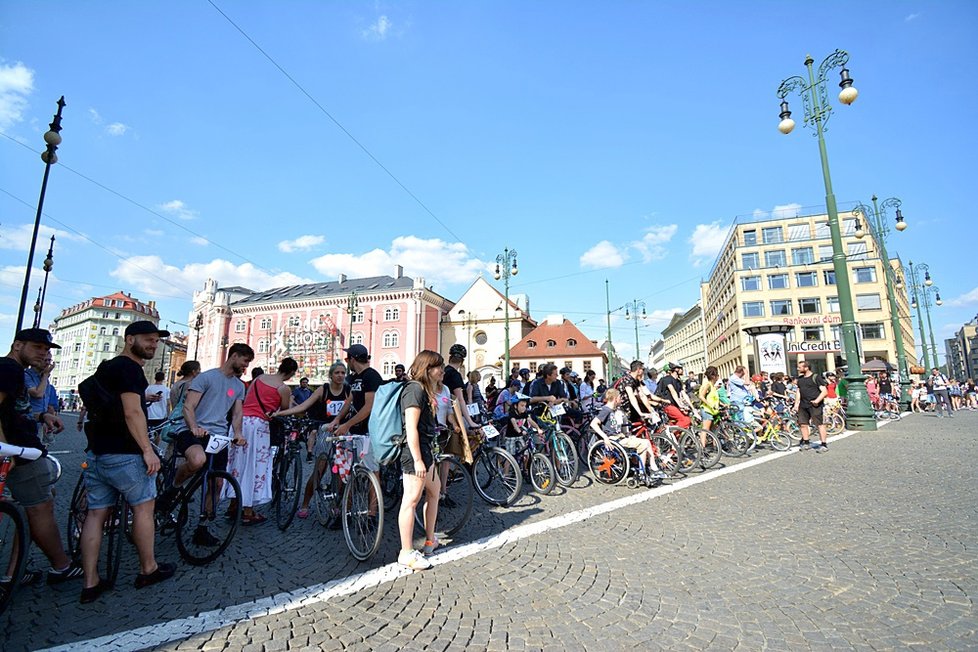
[(100, 403)]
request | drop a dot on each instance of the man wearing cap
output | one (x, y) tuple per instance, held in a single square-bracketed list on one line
[(30, 481), (38, 381), (364, 381), (121, 460), (400, 375)]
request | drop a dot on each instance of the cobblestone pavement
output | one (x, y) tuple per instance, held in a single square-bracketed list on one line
[(870, 546)]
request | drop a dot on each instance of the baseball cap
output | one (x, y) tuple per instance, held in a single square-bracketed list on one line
[(524, 372), (514, 383), (358, 351), (145, 328), (36, 335)]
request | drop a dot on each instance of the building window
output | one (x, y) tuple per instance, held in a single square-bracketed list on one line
[(569, 364), (810, 306), (118, 316), (750, 283), (775, 258), (825, 253), (357, 338), (587, 366), (265, 324), (857, 251), (750, 260), (102, 330), (829, 277), (571, 343), (531, 344), (750, 238), (865, 274), (849, 227), (777, 281), (105, 347), (772, 235), (822, 231), (358, 317), (780, 307), (868, 302), (115, 331), (105, 314), (295, 321), (391, 339), (533, 367), (753, 309), (802, 256), (388, 368), (481, 338), (833, 304), (392, 314), (263, 346), (872, 331), (806, 279), (551, 344), (811, 333), (836, 332), (798, 232), (108, 304), (239, 326), (77, 347)]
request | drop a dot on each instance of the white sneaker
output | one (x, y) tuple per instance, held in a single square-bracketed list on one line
[(413, 559)]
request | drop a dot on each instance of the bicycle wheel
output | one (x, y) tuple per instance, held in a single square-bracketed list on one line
[(669, 455), (835, 424), (391, 485), (543, 476), (779, 440), (327, 495), (564, 457), (712, 452), (455, 505), (114, 533), (363, 513), (496, 476), (290, 489), (689, 444), (13, 550), (77, 511), (206, 522), (608, 464)]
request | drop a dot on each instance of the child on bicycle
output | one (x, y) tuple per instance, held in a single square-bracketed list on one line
[(519, 421), (607, 425)]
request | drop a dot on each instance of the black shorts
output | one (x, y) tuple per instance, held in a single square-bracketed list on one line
[(407, 460), (810, 415), (186, 439)]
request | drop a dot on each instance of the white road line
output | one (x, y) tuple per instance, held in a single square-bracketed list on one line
[(181, 628)]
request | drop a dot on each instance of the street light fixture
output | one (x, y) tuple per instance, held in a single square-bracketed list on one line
[(352, 304), (817, 112), (52, 138), (875, 219), (506, 267), (920, 302), (42, 293), (631, 308), (198, 324)]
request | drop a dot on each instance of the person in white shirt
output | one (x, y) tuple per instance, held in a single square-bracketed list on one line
[(157, 402)]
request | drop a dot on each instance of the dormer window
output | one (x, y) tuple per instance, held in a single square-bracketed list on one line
[(572, 342), (530, 344), (551, 344)]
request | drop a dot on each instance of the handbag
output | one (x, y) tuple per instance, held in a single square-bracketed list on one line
[(276, 430)]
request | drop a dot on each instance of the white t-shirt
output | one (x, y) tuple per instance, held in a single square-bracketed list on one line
[(444, 405), (158, 410)]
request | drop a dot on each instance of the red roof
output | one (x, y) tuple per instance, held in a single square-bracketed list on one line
[(568, 341)]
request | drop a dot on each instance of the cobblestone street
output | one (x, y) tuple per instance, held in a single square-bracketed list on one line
[(870, 546)]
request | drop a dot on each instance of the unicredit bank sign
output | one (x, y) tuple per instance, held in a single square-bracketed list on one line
[(815, 346)]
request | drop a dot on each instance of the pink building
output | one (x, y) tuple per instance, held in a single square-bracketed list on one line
[(395, 317)]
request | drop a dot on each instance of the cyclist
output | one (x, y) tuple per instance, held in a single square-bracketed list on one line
[(632, 386), (519, 421), (742, 397), (455, 383), (545, 390), (709, 400), (334, 396), (417, 458), (503, 402), (355, 413), (671, 388), (607, 425)]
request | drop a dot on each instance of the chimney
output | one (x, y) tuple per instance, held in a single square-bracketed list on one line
[(398, 271), (342, 278)]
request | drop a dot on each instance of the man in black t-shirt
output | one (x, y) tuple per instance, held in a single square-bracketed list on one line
[(545, 389), (811, 394), (455, 383), (364, 381), (121, 460), (30, 482)]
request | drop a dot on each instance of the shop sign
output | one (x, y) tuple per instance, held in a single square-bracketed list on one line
[(815, 346), (813, 320)]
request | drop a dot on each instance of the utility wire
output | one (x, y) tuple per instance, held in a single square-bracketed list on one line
[(336, 122)]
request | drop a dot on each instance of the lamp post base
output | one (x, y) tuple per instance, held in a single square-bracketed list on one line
[(859, 413), (905, 399)]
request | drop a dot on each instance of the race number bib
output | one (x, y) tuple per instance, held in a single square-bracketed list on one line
[(473, 409), (490, 431), (557, 410), (333, 407)]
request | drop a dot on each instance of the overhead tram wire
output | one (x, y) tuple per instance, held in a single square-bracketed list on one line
[(336, 122)]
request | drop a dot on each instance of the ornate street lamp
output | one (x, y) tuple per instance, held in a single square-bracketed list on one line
[(920, 287), (506, 267), (633, 307), (814, 93), (198, 324), (875, 220), (42, 293), (53, 139)]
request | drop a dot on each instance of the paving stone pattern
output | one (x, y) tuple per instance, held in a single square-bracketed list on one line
[(869, 546)]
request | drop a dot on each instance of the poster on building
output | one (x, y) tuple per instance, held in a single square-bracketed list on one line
[(770, 351)]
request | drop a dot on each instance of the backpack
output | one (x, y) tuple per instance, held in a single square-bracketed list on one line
[(100, 403), (386, 423), (175, 421)]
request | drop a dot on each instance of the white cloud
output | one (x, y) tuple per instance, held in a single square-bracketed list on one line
[(378, 30), (177, 208), (652, 245), (18, 237), (911, 17), (149, 274), (433, 259), (759, 214), (602, 256), (707, 241), (95, 116), (785, 211), (117, 129), (199, 241), (966, 299), (155, 233), (302, 243), (16, 83)]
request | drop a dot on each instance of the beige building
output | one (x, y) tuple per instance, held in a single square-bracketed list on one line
[(779, 271), (684, 340)]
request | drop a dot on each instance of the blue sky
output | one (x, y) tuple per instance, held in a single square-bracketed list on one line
[(584, 135)]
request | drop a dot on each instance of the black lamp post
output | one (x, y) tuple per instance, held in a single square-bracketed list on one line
[(53, 139), (43, 292)]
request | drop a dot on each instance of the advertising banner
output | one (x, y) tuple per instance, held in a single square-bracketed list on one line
[(771, 352)]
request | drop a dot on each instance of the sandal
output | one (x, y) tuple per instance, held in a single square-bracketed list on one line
[(303, 513), (253, 519)]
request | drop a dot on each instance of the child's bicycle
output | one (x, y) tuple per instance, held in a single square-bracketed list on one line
[(559, 446), (612, 463)]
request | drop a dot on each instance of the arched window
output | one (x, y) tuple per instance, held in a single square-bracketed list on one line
[(551, 344), (572, 342), (358, 317), (115, 331), (265, 324), (391, 339), (239, 326), (263, 346), (105, 347), (357, 338), (392, 314), (102, 331), (295, 321)]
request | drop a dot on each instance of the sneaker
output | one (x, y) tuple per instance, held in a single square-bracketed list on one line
[(31, 577), (431, 546), (803, 445), (91, 593), (413, 559), (446, 501), (819, 448), (658, 475), (202, 537), (74, 571), (164, 571)]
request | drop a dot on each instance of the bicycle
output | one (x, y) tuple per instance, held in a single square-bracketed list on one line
[(455, 503), (535, 467), (665, 447), (612, 463), (495, 473), (559, 446), (14, 535), (287, 470)]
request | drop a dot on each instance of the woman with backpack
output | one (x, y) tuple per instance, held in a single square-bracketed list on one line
[(418, 402)]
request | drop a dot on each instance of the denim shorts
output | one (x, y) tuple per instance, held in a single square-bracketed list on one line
[(107, 476), (31, 484)]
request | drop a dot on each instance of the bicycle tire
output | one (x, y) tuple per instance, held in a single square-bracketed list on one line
[(189, 518), (563, 454), (779, 441), (835, 424), (541, 473), (608, 464), (14, 544), (496, 476), (361, 528), (712, 452), (669, 457), (290, 490), (327, 495), (690, 447), (455, 507), (391, 485), (114, 533)]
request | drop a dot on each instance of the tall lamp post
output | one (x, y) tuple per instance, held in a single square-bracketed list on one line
[(814, 93), (879, 230), (351, 308), (53, 139), (611, 347), (506, 267), (43, 292), (928, 290), (919, 300), (198, 324), (631, 308)]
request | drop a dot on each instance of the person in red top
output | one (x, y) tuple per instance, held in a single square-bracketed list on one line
[(671, 389)]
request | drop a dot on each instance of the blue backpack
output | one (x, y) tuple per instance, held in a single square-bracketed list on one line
[(386, 423)]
